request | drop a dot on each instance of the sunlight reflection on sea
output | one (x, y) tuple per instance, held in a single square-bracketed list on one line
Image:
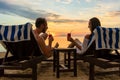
[(63, 43)]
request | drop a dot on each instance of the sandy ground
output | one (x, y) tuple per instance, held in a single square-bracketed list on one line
[(45, 72)]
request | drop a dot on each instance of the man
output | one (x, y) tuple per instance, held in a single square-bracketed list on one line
[(41, 27)]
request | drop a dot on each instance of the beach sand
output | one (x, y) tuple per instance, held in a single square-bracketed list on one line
[(45, 72)]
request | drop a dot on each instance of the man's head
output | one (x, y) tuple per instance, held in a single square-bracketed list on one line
[(41, 24)]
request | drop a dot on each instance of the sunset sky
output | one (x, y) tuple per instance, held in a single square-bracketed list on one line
[(63, 15)]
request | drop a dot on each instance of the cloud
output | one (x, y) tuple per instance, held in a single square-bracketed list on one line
[(109, 5), (113, 13), (18, 10), (117, 13), (88, 0), (9, 9), (65, 1), (29, 13), (67, 20)]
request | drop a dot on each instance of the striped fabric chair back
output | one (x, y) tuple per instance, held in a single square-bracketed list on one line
[(19, 40), (106, 38), (15, 33)]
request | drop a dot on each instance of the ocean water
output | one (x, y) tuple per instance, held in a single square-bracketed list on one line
[(63, 43)]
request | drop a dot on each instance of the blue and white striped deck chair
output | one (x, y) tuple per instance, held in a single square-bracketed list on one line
[(19, 40), (104, 39)]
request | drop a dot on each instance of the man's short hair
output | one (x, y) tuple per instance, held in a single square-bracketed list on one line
[(40, 21)]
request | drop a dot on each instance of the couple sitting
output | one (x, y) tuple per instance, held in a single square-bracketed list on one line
[(41, 27)]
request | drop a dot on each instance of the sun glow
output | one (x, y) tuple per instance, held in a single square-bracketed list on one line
[(53, 34)]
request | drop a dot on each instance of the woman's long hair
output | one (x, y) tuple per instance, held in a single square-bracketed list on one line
[(95, 22)]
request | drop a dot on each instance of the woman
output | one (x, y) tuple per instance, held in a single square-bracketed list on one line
[(106, 53), (93, 23)]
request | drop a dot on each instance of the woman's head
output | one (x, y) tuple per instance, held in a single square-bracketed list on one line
[(93, 23)]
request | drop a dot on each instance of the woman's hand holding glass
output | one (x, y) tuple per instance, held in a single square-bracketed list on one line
[(69, 38)]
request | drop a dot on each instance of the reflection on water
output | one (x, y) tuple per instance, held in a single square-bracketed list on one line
[(63, 43)]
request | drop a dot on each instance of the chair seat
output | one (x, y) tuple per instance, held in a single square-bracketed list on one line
[(23, 64), (101, 62)]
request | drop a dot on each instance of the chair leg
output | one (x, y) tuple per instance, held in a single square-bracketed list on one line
[(34, 72), (91, 72), (119, 70), (75, 64), (69, 61), (58, 66), (54, 61), (65, 59), (1, 72)]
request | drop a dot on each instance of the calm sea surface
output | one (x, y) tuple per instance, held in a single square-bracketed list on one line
[(63, 43)]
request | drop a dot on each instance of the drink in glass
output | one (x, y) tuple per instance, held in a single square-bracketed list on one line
[(68, 36)]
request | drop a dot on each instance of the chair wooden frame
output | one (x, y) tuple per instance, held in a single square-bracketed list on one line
[(102, 63), (25, 54)]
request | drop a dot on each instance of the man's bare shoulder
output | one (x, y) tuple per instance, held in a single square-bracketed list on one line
[(37, 35)]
